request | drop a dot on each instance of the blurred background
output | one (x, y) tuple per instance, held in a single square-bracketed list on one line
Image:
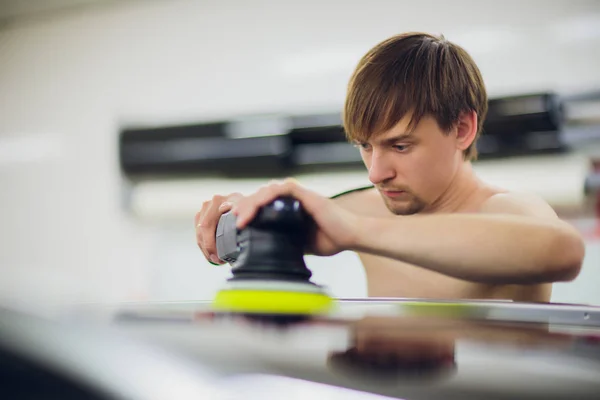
[(119, 118)]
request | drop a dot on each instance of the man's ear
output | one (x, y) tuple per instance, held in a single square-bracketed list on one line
[(466, 129)]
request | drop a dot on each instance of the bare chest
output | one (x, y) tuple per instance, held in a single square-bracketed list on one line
[(392, 278)]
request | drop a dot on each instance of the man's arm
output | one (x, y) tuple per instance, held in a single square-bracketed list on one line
[(515, 239)]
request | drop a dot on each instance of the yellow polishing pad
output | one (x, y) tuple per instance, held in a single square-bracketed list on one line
[(271, 301)]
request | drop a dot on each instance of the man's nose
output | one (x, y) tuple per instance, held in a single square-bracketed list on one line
[(380, 169)]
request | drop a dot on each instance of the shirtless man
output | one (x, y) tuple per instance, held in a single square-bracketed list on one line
[(428, 227)]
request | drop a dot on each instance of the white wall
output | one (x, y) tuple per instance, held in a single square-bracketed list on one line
[(69, 79)]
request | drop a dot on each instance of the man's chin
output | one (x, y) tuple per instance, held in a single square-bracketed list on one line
[(404, 212), (403, 208)]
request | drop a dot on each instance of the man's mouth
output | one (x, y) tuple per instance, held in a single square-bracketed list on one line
[(393, 193)]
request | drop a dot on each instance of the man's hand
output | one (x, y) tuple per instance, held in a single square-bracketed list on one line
[(336, 228), (206, 222)]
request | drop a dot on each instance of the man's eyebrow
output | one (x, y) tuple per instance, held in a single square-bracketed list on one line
[(396, 138), (389, 140)]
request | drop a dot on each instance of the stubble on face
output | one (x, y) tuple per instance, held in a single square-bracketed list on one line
[(406, 204)]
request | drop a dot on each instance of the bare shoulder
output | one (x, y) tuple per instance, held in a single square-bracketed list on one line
[(363, 201), (518, 203)]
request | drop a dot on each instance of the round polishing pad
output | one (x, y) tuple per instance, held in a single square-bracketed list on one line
[(272, 297)]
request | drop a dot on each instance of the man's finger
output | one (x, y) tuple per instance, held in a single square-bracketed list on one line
[(212, 258), (200, 214), (234, 197), (197, 218), (246, 210), (208, 227), (225, 207), (200, 242), (200, 222)]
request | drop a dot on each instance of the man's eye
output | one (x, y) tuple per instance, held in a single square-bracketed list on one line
[(364, 146), (401, 147)]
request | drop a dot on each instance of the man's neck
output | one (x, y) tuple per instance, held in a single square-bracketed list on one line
[(461, 190)]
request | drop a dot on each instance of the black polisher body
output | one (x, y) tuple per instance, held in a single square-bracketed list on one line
[(271, 247)]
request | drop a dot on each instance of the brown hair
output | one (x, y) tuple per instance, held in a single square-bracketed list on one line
[(415, 73)]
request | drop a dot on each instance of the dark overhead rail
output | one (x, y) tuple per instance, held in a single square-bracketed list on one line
[(281, 145)]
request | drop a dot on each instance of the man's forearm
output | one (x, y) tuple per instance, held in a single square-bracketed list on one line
[(482, 248)]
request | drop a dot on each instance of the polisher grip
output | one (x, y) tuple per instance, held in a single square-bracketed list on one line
[(284, 215)]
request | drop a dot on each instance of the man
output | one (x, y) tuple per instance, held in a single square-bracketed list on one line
[(428, 227)]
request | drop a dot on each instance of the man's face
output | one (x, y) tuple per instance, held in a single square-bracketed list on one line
[(411, 170)]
